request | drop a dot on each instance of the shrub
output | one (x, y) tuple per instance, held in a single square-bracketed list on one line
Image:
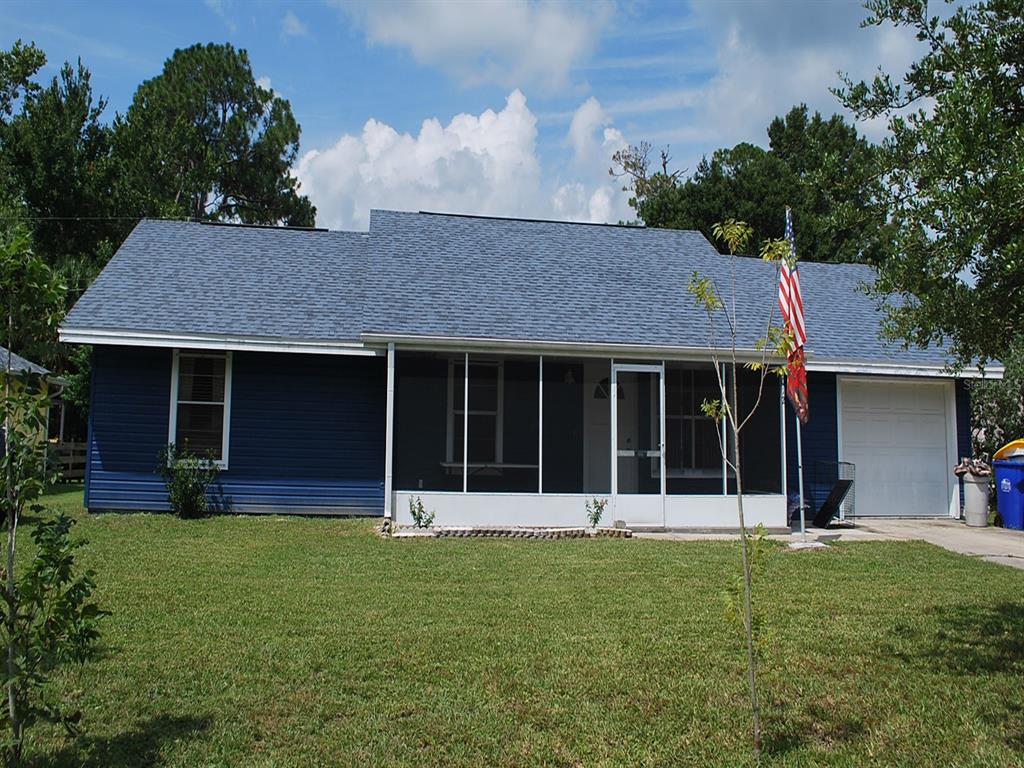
[(55, 624), (595, 509), (188, 479), (421, 518)]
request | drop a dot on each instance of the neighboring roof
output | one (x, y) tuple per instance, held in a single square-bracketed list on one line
[(465, 277), (185, 277), (19, 364)]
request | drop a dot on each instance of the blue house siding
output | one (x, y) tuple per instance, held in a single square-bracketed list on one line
[(128, 427), (820, 438), (306, 433)]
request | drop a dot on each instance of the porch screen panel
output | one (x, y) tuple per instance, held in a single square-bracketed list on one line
[(504, 411), (761, 440), (424, 459), (577, 425), (693, 453)]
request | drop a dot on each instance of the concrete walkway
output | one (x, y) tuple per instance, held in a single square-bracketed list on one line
[(997, 545)]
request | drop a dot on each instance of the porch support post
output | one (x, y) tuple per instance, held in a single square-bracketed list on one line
[(723, 375), (800, 474), (613, 395), (782, 431), (389, 434), (661, 442), (540, 424), (465, 426)]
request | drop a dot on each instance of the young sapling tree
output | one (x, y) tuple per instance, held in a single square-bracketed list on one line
[(421, 516), (595, 511), (761, 359), (48, 617)]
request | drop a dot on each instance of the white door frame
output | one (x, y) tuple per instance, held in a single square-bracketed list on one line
[(949, 393), (613, 396)]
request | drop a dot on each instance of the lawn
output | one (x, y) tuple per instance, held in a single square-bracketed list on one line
[(258, 641)]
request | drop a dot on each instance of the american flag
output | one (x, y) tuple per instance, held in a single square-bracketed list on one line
[(791, 303)]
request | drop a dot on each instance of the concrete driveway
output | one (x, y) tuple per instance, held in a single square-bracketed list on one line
[(997, 545)]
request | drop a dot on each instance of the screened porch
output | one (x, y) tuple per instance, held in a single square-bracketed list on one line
[(526, 439)]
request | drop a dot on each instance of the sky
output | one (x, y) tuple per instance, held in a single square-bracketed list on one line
[(499, 108)]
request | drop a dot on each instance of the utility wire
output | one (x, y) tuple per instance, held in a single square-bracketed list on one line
[(92, 218)]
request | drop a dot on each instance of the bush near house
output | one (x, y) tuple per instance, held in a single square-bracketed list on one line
[(238, 641), (188, 478)]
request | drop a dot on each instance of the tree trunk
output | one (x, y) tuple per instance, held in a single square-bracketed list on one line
[(12, 522), (748, 613)]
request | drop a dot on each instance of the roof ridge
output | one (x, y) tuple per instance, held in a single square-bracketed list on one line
[(242, 225), (530, 220)]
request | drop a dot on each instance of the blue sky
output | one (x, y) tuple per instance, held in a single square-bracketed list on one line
[(505, 108)]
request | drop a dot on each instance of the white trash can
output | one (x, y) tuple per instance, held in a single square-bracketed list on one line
[(976, 492)]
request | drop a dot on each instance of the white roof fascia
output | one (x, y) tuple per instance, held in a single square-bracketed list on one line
[(563, 348), (902, 369), (696, 354), (225, 342)]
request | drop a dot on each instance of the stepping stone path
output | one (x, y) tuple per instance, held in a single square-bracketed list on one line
[(462, 532)]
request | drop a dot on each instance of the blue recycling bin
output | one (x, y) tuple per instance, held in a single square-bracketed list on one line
[(1010, 491)]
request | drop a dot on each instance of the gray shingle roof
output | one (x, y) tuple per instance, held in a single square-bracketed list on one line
[(467, 276), (183, 277), (19, 364), (463, 276)]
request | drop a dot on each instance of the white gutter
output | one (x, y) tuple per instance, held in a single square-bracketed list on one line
[(375, 345), (645, 351), (897, 369), (225, 342), (565, 348)]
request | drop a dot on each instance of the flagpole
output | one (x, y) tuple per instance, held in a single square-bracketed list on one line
[(791, 304), (800, 476)]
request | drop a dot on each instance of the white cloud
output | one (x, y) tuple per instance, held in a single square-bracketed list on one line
[(770, 57), (509, 42), (292, 26), (585, 121), (222, 8), (594, 196), (657, 101), (264, 82), (484, 164), (592, 137), (575, 202)]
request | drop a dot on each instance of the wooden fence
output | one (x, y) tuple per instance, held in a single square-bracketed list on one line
[(70, 459)]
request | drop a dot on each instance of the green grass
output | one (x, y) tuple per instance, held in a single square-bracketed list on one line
[(250, 641)]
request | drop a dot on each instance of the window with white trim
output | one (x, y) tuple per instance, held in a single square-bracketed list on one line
[(486, 382), (201, 403)]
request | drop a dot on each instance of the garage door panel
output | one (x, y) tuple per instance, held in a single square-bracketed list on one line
[(896, 434)]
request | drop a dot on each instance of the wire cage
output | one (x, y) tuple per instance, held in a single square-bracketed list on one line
[(826, 477)]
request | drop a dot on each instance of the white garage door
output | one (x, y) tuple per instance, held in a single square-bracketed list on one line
[(897, 434)]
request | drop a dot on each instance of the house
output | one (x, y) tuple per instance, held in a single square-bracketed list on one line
[(23, 372), (504, 371)]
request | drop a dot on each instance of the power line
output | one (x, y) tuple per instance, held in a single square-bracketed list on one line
[(92, 218), (191, 220)]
